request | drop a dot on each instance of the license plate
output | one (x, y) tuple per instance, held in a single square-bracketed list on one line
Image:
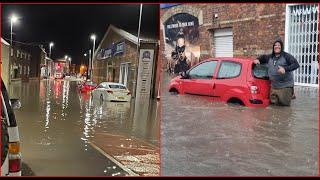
[(120, 97)]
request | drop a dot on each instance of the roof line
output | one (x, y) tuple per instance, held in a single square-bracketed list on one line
[(121, 32)]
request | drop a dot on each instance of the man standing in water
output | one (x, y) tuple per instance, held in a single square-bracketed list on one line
[(280, 67)]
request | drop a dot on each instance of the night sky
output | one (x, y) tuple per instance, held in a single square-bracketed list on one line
[(70, 26)]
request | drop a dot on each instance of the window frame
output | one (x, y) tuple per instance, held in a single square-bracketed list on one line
[(18, 53)]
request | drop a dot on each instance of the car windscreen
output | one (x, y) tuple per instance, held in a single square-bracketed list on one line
[(90, 83), (260, 71), (12, 118)]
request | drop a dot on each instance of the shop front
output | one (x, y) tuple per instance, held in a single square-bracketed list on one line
[(116, 59)]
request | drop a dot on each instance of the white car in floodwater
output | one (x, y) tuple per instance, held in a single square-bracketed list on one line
[(110, 91)]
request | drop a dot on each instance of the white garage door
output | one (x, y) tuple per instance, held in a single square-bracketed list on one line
[(223, 42)]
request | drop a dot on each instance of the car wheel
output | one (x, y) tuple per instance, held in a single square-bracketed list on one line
[(174, 92)]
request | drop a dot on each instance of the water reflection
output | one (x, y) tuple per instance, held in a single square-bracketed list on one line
[(56, 124), (123, 130)]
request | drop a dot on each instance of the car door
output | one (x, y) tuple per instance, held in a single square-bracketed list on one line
[(228, 77), (199, 79), (4, 142)]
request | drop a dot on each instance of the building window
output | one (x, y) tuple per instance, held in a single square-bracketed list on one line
[(21, 54), (20, 69), (28, 70), (29, 57), (18, 53)]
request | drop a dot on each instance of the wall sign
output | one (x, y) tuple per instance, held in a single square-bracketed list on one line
[(116, 49), (145, 72)]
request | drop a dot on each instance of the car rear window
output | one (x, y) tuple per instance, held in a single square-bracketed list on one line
[(260, 71), (115, 86)]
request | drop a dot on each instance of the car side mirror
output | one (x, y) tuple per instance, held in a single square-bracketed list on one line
[(15, 103), (184, 75)]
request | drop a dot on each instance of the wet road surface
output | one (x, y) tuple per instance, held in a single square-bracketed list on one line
[(201, 137), (57, 126)]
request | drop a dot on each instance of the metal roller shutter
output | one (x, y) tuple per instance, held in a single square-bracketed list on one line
[(223, 42)]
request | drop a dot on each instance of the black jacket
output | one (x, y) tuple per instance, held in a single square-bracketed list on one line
[(291, 61)]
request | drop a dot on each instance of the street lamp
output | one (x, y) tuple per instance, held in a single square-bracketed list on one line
[(138, 46), (93, 37), (69, 63), (13, 19), (50, 46)]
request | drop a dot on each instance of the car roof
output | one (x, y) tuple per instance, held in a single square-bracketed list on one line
[(236, 59)]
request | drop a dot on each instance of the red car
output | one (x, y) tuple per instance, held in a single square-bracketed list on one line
[(87, 86), (235, 80)]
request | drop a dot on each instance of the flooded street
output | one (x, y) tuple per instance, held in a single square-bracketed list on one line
[(66, 133), (203, 137)]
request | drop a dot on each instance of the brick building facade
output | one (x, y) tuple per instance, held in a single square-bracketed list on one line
[(20, 63), (254, 26)]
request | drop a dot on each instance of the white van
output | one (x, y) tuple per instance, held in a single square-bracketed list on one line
[(10, 141)]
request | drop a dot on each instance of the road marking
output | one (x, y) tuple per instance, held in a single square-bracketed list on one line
[(130, 172)]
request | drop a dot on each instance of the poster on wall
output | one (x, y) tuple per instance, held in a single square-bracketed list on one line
[(145, 72), (182, 49)]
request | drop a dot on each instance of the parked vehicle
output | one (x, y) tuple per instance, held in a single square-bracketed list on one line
[(10, 141), (235, 80), (109, 91), (58, 75), (87, 86)]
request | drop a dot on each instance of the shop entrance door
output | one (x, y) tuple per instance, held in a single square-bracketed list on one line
[(124, 74), (302, 41)]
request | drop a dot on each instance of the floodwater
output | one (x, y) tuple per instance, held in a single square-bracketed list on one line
[(201, 137), (58, 125)]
